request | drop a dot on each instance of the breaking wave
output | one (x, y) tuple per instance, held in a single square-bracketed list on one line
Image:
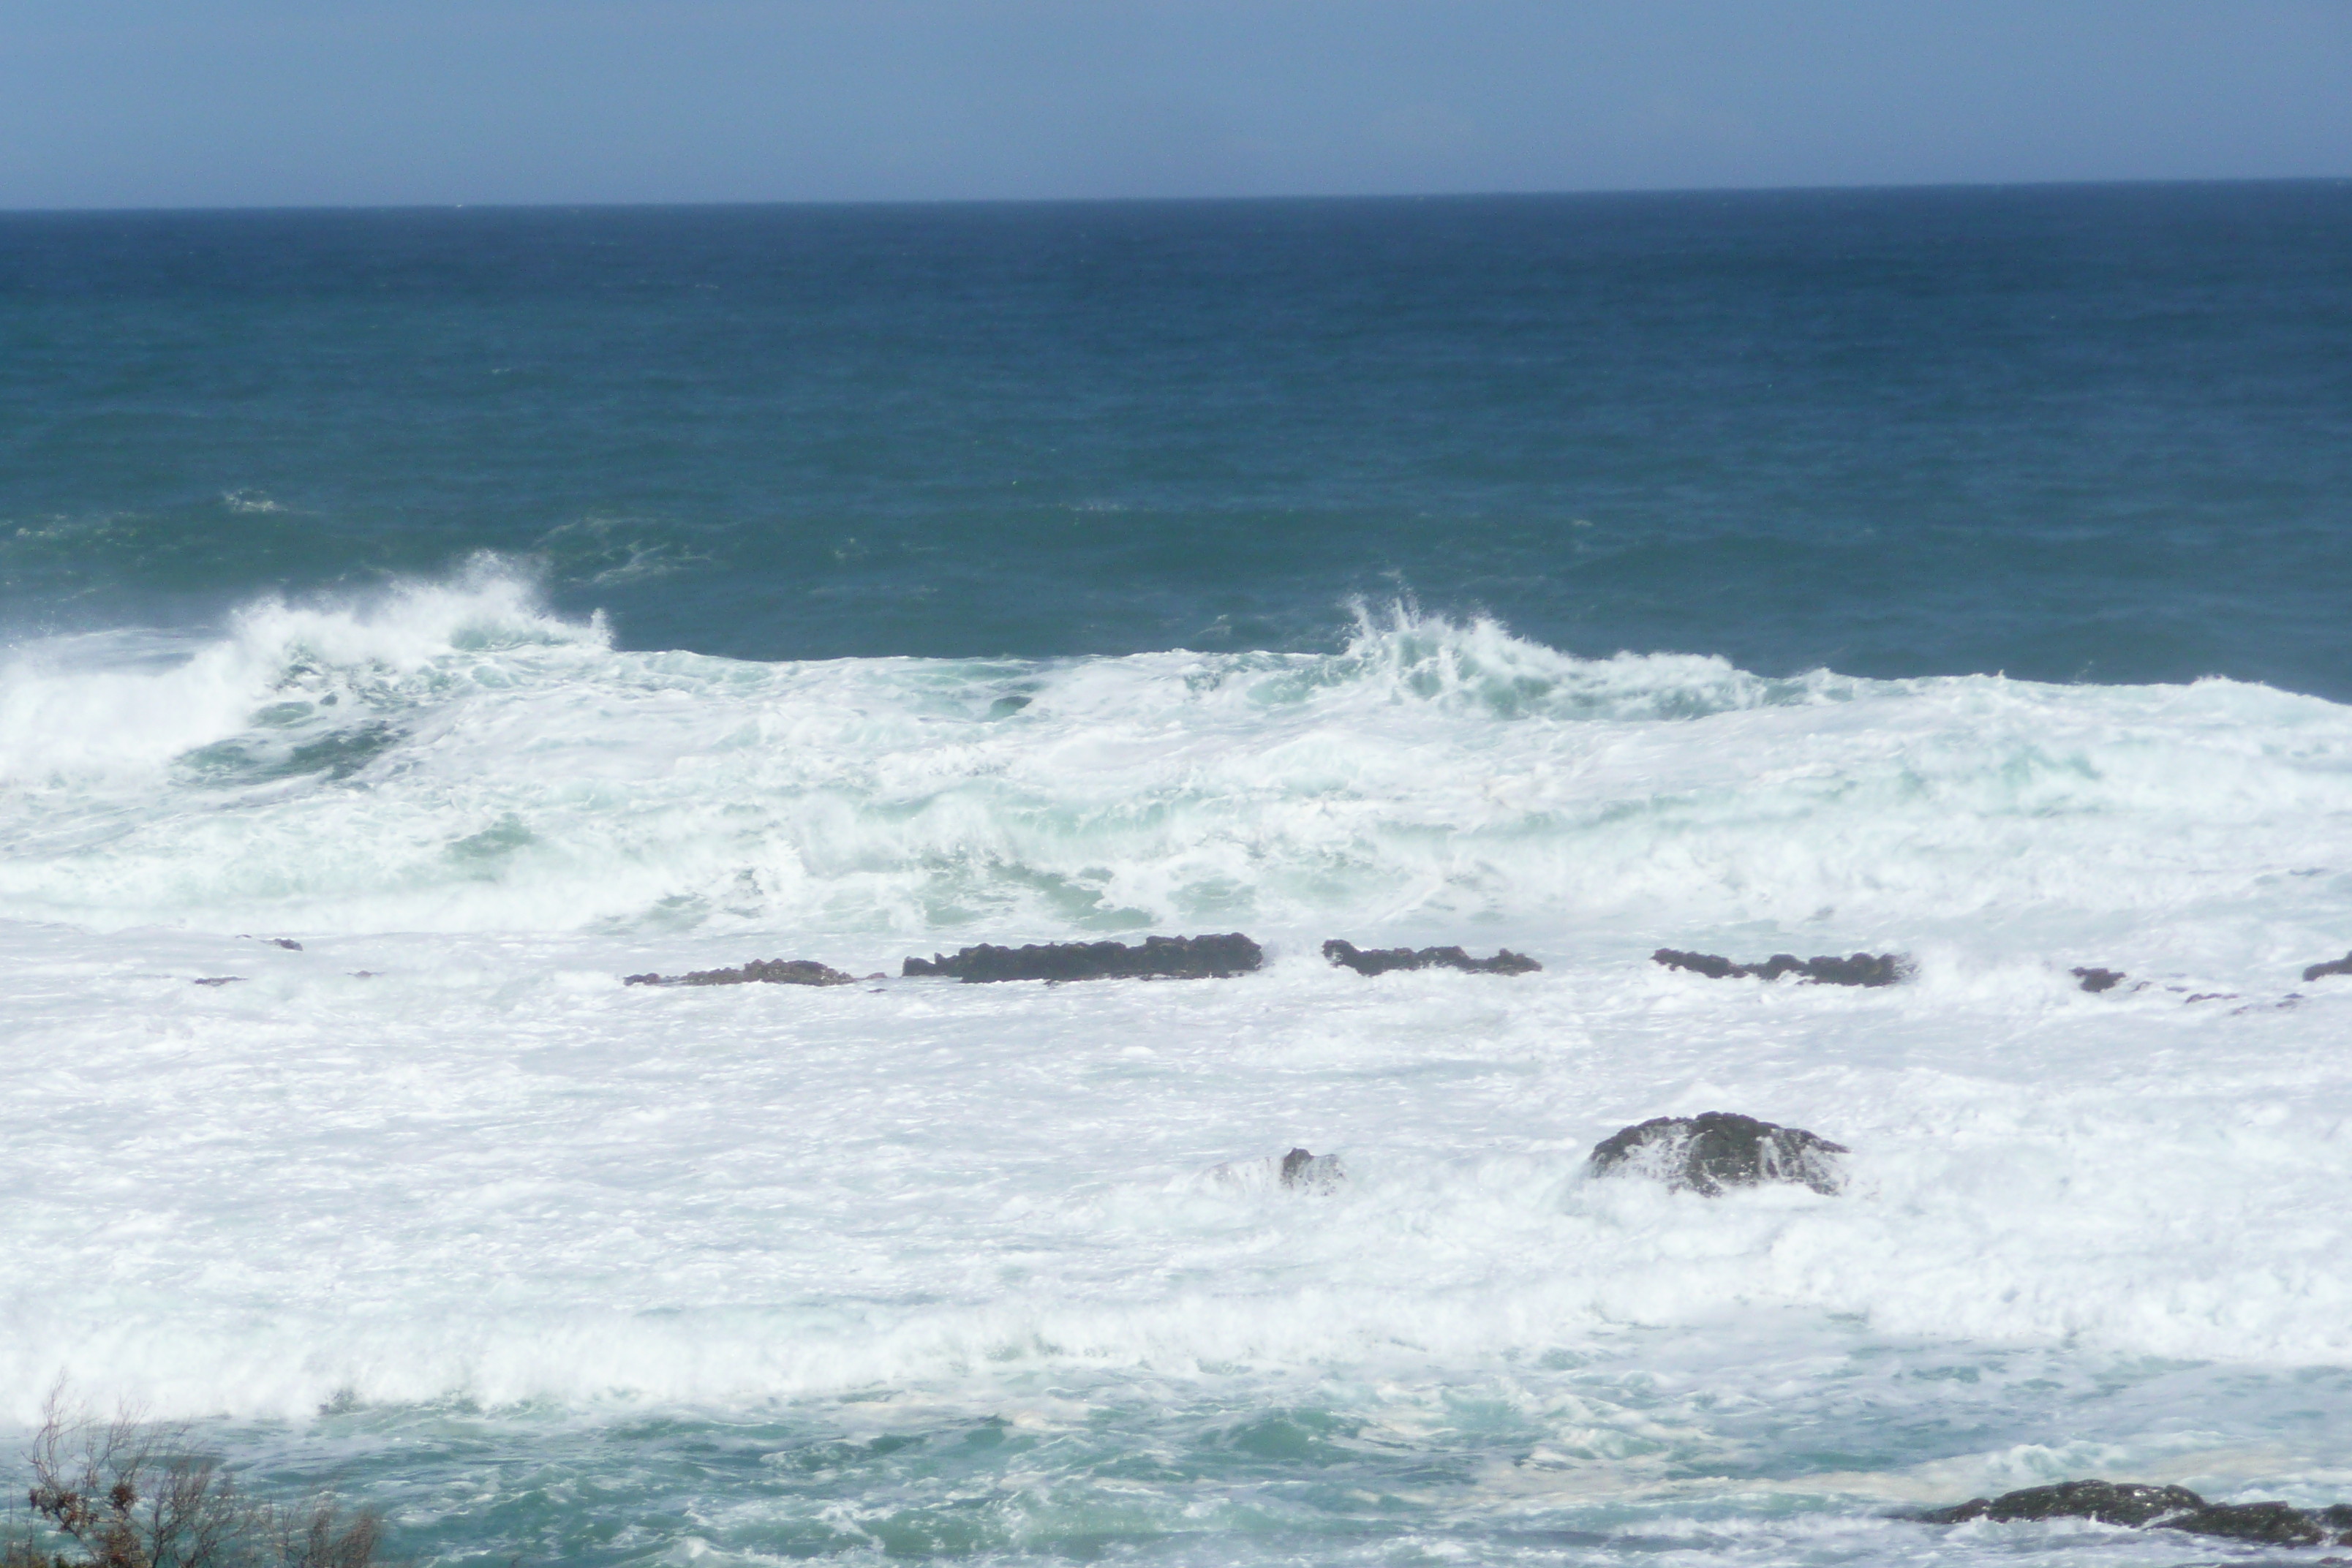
[(451, 756)]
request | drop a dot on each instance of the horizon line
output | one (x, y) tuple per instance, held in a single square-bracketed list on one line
[(1331, 197)]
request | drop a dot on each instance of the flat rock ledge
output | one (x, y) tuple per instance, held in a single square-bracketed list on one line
[(759, 971), (2333, 966), (1382, 960), (1159, 957), (1718, 1150), (1859, 969), (2140, 1507)]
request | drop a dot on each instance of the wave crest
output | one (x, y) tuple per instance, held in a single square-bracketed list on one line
[(453, 757), (128, 705)]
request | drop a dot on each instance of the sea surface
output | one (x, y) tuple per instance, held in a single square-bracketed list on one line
[(495, 603)]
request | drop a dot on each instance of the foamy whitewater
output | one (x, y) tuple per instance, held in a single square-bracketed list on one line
[(437, 1209), (414, 622)]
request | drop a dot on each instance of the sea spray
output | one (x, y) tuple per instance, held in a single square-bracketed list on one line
[(452, 758)]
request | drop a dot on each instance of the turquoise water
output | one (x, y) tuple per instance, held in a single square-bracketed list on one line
[(1657, 1448)]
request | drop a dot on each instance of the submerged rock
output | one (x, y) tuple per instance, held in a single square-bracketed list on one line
[(2161, 1508), (2333, 966), (1381, 960), (2099, 980), (1719, 1149), (1312, 1172), (763, 972), (1299, 1171), (1169, 957), (1860, 969)]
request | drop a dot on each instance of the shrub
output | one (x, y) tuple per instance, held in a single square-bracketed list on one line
[(126, 1493)]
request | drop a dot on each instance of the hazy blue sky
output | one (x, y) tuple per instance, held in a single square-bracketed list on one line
[(235, 102)]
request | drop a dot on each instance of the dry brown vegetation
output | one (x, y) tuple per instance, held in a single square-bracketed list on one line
[(126, 1493)]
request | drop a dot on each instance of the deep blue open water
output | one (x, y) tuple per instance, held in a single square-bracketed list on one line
[(2073, 433)]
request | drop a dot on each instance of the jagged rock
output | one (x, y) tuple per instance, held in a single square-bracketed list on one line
[(2097, 980), (288, 942), (2334, 967), (2109, 1502), (1861, 969), (1718, 1149), (1381, 960), (2159, 1508), (1312, 1172), (2274, 1523), (764, 972), (1170, 957)]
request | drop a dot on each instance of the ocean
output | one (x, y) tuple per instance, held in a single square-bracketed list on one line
[(413, 622)]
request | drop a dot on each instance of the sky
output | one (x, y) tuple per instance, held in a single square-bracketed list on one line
[(143, 103)]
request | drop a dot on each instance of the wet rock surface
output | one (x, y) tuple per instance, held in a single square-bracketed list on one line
[(1718, 1150), (1159, 957), (1382, 960), (2139, 1506), (1308, 1172), (759, 971), (1857, 968), (2333, 966), (2109, 1502)]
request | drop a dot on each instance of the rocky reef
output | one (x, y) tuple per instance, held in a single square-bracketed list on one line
[(1159, 957), (2333, 966), (2142, 1507), (1859, 969), (1382, 960), (759, 971)]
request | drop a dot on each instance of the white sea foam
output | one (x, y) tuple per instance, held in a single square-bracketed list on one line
[(452, 758), (486, 1169)]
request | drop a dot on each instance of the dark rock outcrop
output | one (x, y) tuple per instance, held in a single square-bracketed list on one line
[(2099, 980), (1709, 1152), (764, 972), (2272, 1523), (2334, 967), (1381, 960), (1860, 969), (1164, 957), (1312, 1172), (219, 980), (2158, 1508), (2109, 1502)]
